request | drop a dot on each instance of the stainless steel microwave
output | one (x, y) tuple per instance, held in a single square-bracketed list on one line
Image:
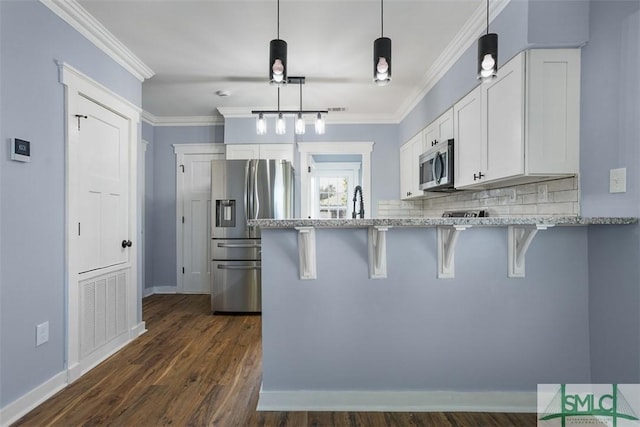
[(436, 167)]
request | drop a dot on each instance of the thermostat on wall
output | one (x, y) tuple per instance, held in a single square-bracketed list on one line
[(20, 150)]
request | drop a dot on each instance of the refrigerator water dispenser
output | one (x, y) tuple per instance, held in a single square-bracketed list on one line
[(225, 213)]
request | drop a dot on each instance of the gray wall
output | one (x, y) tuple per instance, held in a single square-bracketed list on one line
[(411, 331), (611, 139), (610, 108), (614, 304), (162, 222), (32, 254)]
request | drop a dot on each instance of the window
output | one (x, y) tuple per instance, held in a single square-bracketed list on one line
[(350, 161), (331, 187)]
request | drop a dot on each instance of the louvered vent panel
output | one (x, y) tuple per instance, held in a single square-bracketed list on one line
[(100, 324), (121, 303), (87, 316), (103, 310), (111, 307)]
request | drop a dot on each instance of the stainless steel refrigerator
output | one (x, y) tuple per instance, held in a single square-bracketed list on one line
[(241, 190)]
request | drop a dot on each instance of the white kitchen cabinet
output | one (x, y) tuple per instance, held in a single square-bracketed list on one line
[(259, 151), (530, 119), (410, 168), (441, 129), (467, 134)]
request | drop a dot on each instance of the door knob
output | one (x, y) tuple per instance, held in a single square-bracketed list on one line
[(126, 243)]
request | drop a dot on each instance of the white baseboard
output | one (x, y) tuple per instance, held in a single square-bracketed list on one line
[(168, 290), (164, 290), (138, 330), (398, 401), (21, 406)]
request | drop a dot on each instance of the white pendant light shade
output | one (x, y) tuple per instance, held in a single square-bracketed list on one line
[(319, 124), (281, 126), (261, 125), (300, 125)]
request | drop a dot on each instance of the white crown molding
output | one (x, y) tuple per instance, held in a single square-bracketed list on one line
[(75, 15), (181, 120), (468, 35)]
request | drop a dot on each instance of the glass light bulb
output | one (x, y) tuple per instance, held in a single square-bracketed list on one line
[(261, 125), (281, 126), (383, 65), (278, 71), (300, 125), (320, 124), (488, 62)]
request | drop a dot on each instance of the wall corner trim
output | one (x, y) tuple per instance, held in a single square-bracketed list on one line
[(21, 406), (71, 12), (398, 401)]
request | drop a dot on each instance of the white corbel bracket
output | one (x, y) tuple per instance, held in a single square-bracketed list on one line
[(520, 237), (447, 237), (378, 252), (307, 252)]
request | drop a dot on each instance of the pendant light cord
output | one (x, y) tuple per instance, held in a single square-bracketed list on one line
[(278, 99), (487, 16), (300, 96), (382, 18), (279, 18)]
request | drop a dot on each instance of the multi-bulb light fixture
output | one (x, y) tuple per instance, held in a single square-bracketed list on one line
[(488, 54), (300, 125)]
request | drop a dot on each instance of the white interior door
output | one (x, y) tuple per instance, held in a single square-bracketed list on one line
[(196, 226), (104, 188)]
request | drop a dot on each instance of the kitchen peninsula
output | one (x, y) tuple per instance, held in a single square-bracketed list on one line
[(408, 340)]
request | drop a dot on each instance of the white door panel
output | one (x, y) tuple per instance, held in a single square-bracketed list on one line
[(104, 187), (196, 227)]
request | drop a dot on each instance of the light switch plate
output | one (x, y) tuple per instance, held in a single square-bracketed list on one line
[(618, 180), (42, 333)]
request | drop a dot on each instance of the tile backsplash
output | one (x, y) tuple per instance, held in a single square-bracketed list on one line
[(559, 197)]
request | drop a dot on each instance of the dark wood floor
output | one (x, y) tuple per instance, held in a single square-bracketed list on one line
[(195, 369)]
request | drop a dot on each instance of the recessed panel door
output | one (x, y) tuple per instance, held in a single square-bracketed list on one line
[(103, 196)]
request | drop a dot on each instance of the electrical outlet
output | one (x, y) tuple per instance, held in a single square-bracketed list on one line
[(618, 180), (42, 333), (543, 194)]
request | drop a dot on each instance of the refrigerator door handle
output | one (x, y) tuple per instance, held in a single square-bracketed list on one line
[(238, 267), (256, 196), (239, 245), (247, 190)]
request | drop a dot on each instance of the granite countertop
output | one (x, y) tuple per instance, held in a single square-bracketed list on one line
[(438, 221)]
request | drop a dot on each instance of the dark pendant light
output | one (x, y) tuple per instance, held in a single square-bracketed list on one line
[(488, 54), (382, 55), (278, 58)]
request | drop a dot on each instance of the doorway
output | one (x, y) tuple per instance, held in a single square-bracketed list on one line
[(193, 215)]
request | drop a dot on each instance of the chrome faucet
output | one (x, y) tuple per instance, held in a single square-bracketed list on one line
[(354, 214)]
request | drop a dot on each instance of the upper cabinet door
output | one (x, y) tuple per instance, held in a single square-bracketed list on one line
[(444, 123), (467, 114), (503, 101)]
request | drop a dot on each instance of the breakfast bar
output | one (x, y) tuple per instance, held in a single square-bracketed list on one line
[(357, 314)]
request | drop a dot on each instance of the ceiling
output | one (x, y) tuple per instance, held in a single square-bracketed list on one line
[(196, 48)]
